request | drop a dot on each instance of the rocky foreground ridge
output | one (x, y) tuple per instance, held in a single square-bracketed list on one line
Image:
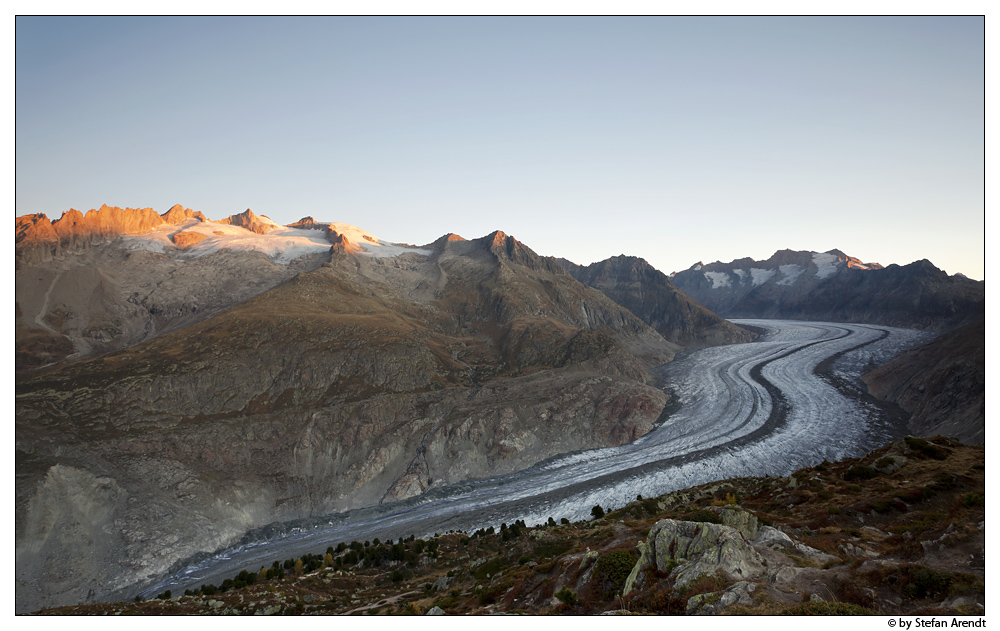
[(171, 398), (900, 531), (833, 287)]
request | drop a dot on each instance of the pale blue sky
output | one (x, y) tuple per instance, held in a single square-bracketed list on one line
[(673, 139)]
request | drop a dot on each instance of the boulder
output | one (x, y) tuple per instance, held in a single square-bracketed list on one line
[(687, 550), (784, 574), (588, 559), (856, 552), (435, 611), (637, 578), (742, 520), (774, 539), (712, 603), (442, 584), (268, 611)]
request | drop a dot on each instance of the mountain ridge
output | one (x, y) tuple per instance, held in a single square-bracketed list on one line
[(833, 286), (648, 293)]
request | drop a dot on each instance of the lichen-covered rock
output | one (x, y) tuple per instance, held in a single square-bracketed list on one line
[(712, 603), (776, 540), (588, 559), (435, 611), (687, 550), (784, 574), (856, 552), (637, 578), (742, 520)]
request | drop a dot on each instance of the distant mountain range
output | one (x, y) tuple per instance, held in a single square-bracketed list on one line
[(832, 286)]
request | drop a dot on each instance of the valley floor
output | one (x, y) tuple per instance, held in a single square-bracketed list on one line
[(745, 410)]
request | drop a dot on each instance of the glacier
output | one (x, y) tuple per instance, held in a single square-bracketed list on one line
[(753, 409)]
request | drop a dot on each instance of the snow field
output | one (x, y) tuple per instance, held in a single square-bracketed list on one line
[(282, 244)]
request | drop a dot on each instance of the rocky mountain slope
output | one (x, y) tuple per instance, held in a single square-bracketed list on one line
[(832, 286), (900, 531), (941, 383), (37, 239), (365, 374), (648, 293), (118, 277)]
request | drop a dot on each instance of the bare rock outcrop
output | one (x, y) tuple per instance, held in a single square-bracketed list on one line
[(75, 231), (341, 244), (35, 240), (308, 223), (686, 550), (712, 603), (107, 221), (248, 220), (187, 238), (178, 214)]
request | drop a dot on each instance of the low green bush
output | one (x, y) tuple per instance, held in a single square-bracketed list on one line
[(612, 569), (567, 596), (859, 472), (973, 500), (925, 449)]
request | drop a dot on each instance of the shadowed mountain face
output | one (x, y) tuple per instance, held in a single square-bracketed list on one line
[(831, 286), (941, 383), (648, 293), (355, 381)]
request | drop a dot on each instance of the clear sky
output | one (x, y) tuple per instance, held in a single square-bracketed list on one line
[(675, 139)]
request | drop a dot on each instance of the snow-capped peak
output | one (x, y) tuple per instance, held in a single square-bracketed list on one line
[(372, 245)]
